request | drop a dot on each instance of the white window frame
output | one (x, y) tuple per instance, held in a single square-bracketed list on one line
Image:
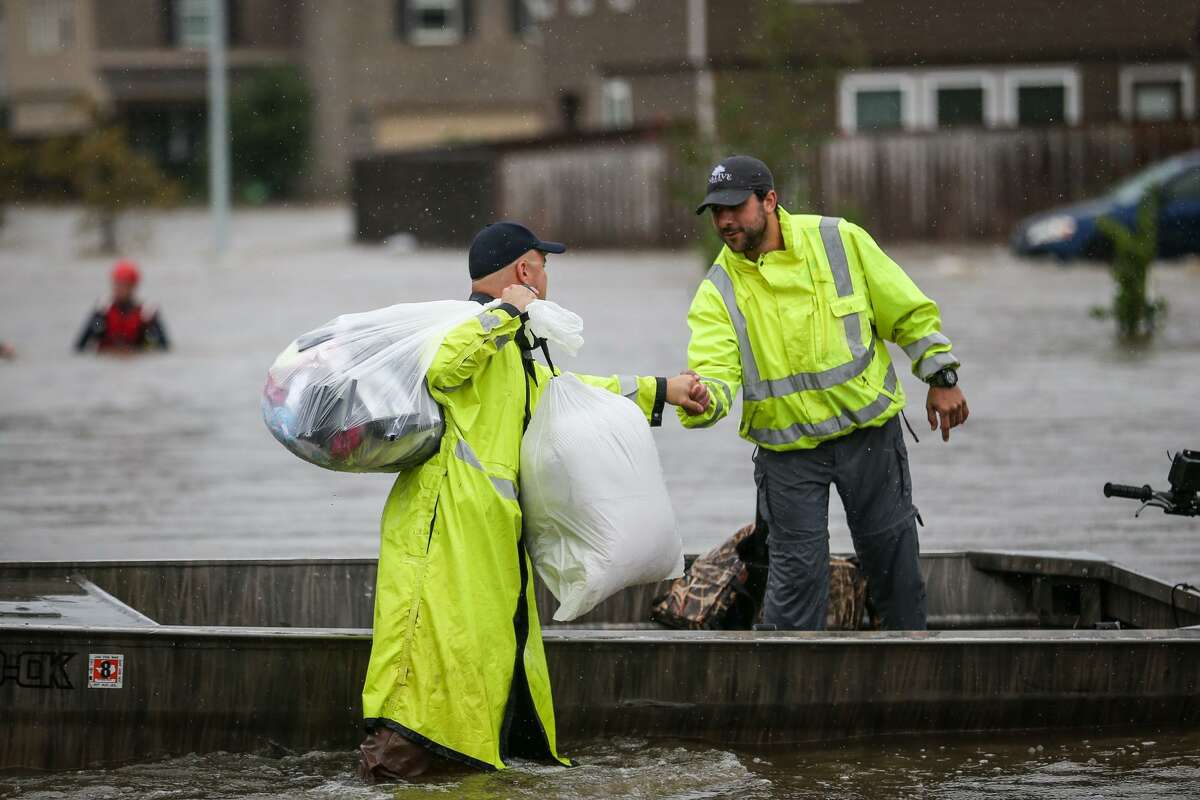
[(852, 83), (434, 37), (616, 104), (50, 25), (987, 81), (1016, 79), (1133, 74)]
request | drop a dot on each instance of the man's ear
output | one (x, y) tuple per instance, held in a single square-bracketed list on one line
[(523, 270), (770, 202)]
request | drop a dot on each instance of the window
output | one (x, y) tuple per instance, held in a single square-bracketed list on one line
[(51, 25), (1157, 93), (432, 22), (616, 104), (959, 107), (1185, 188), (1041, 105), (879, 109), (877, 102), (541, 9), (1156, 102), (191, 23), (1045, 96)]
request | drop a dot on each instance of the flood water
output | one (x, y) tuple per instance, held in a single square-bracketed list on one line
[(165, 457), (1142, 765)]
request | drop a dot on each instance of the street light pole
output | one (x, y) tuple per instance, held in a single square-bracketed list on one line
[(218, 126)]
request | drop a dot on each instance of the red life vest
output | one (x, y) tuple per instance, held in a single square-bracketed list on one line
[(123, 328)]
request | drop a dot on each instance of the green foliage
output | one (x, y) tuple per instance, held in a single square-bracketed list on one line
[(13, 166), (782, 108), (270, 123), (1132, 254), (107, 176)]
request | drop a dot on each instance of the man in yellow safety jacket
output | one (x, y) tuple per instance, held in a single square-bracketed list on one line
[(793, 313), (457, 669)]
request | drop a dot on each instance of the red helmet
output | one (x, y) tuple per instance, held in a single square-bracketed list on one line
[(126, 272)]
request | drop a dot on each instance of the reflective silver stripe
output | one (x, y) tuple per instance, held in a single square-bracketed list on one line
[(935, 363), (724, 387), (466, 454), (917, 349), (835, 252), (754, 389), (489, 321), (503, 340), (628, 385), (810, 381), (833, 425), (720, 279)]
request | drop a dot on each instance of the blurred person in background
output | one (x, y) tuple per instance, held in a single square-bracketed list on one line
[(7, 352), (125, 325), (792, 313)]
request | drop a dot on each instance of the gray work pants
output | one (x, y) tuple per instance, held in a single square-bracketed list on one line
[(870, 469)]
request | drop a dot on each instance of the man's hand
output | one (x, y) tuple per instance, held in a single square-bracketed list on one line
[(946, 408), (518, 296), (686, 391)]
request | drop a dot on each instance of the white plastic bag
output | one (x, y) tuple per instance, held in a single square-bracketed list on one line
[(351, 394), (597, 514), (557, 325)]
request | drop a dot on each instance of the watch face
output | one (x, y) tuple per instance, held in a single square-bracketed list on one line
[(949, 377)]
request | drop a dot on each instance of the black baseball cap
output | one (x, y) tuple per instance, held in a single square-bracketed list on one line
[(735, 179), (500, 244)]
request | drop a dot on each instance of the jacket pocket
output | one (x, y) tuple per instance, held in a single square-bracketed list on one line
[(850, 304)]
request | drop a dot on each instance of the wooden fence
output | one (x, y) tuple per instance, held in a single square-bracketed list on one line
[(603, 195), (978, 184), (615, 190)]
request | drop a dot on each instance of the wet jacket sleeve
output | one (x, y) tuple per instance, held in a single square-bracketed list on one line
[(903, 314), (93, 328), (467, 348), (713, 354), (155, 336), (650, 394)]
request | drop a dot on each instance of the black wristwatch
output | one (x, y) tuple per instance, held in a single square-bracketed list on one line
[(944, 378)]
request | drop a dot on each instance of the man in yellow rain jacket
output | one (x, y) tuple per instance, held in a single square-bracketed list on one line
[(457, 669), (793, 313)]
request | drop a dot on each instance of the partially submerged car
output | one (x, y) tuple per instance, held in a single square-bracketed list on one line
[(1071, 232)]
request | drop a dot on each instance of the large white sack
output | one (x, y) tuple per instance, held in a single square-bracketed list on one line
[(597, 514)]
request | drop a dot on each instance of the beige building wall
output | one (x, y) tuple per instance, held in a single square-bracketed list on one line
[(50, 66), (414, 131), (376, 91)]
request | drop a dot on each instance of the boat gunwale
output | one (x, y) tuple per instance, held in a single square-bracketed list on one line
[(665, 636)]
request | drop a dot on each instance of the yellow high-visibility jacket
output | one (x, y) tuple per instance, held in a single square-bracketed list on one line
[(456, 636), (798, 332)]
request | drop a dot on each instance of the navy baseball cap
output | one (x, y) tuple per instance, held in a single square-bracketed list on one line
[(733, 180), (500, 244)]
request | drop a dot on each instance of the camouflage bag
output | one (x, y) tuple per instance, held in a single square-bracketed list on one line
[(723, 589)]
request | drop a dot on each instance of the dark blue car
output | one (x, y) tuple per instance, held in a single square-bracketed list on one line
[(1071, 232)]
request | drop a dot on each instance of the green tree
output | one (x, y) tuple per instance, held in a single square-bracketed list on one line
[(1133, 251), (13, 164), (109, 177), (270, 120)]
